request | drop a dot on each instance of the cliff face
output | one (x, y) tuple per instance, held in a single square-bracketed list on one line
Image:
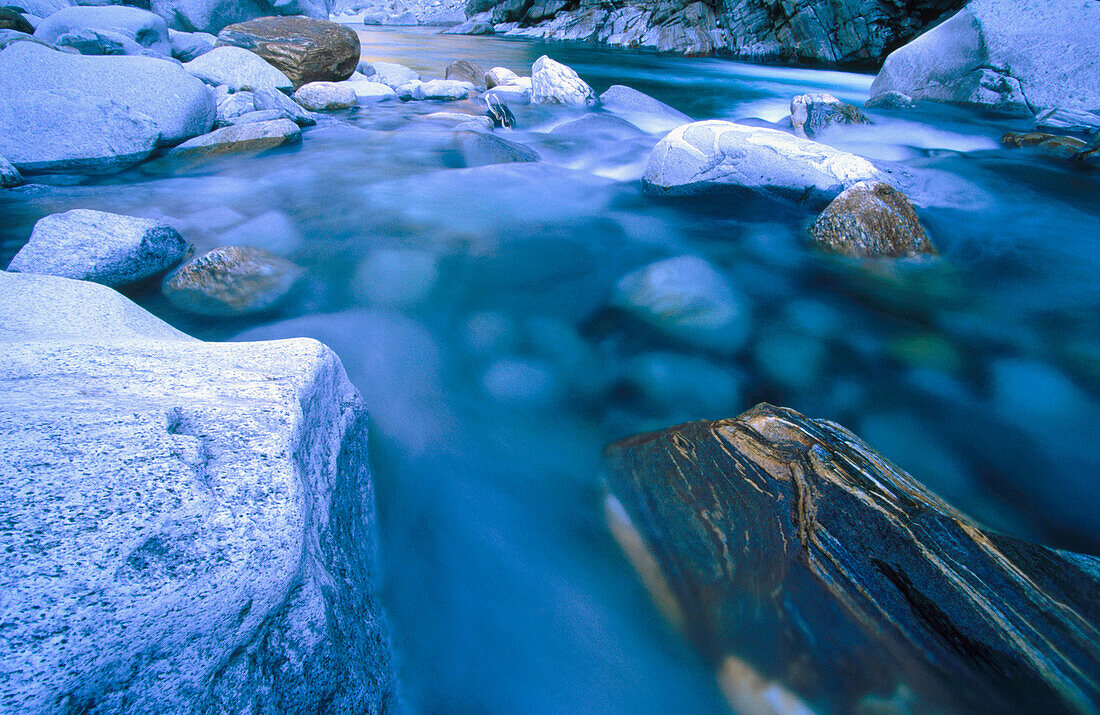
[(848, 33)]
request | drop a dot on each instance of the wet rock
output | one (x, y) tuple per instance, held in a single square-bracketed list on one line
[(326, 96), (810, 113), (497, 112), (265, 99), (237, 139), (304, 49), (232, 281), (254, 117), (479, 149), (178, 513), (465, 71), (687, 298), (12, 20), (101, 247), (807, 567), (186, 46), (597, 125), (273, 231), (407, 91), (890, 100), (870, 220), (1052, 145), (396, 277), (717, 155), (641, 110), (145, 32), (497, 76), (9, 175), (239, 69), (393, 75), (555, 83), (441, 89), (508, 94)]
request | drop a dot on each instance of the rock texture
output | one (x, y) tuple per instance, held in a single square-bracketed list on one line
[(1052, 145), (810, 113), (9, 175), (871, 220), (812, 572), (326, 96), (232, 281), (188, 526), (554, 83), (304, 49), (1006, 56), (238, 69), (13, 20), (641, 110), (138, 31), (251, 138), (105, 248)]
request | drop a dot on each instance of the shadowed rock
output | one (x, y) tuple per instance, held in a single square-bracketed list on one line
[(870, 220), (12, 20), (1052, 145), (805, 565), (304, 49), (810, 113)]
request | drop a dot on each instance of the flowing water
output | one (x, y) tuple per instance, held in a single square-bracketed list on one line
[(470, 306)]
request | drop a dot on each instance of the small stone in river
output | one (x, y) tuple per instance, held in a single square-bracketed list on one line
[(274, 99), (367, 90), (238, 68), (110, 249), (442, 89), (499, 76), (305, 49), (326, 96), (465, 71), (397, 277), (554, 83), (238, 139), (869, 220), (810, 113), (9, 175), (508, 94), (232, 281)]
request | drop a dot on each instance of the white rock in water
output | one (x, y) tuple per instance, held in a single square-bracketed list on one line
[(509, 94), (367, 90), (102, 247), (442, 89), (393, 75), (238, 68), (326, 96), (641, 110), (554, 83), (188, 526), (143, 31), (705, 156), (499, 76)]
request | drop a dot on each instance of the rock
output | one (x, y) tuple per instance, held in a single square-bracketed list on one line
[(396, 277), (326, 96), (147, 32), (813, 573), (12, 20), (687, 298), (597, 125), (441, 89), (65, 112), (810, 113), (497, 112), (304, 49), (101, 247), (465, 71), (1002, 56), (508, 94), (554, 83), (717, 155), (9, 175), (272, 231), (186, 46), (1052, 145), (407, 91), (498, 76), (368, 91), (261, 115), (471, 27), (265, 99), (179, 516), (237, 68), (641, 110), (211, 16), (393, 75), (236, 139), (366, 69), (871, 220), (684, 385), (1068, 120), (233, 106), (232, 281), (890, 100), (480, 149)]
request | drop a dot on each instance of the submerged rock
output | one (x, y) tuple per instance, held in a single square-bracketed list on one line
[(188, 526), (810, 113), (1053, 145), (393, 75), (142, 31), (236, 139), (811, 571), (871, 220), (232, 281), (239, 69), (554, 83), (304, 49), (326, 96), (101, 247), (480, 149), (641, 110)]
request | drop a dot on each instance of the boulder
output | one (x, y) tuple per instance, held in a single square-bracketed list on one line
[(232, 106), (66, 112), (810, 113), (641, 110), (265, 99), (1001, 55), (497, 76), (393, 75), (9, 175), (871, 220), (1068, 120), (446, 90), (260, 115), (146, 32), (465, 71), (212, 16), (718, 155), (236, 139), (369, 91), (12, 20), (186, 46), (481, 149), (188, 526), (555, 83), (239, 69), (101, 247), (232, 281), (816, 576), (305, 49), (1052, 145), (326, 96), (508, 94)]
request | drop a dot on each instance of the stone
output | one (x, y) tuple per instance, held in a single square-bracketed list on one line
[(641, 110), (441, 89), (239, 69), (396, 277), (810, 113), (188, 526), (211, 16), (13, 20), (718, 155), (110, 249), (1068, 120), (147, 32), (232, 281), (326, 96), (481, 149), (65, 112), (1052, 145), (684, 385), (9, 175), (471, 27), (999, 55), (597, 125), (232, 106), (407, 91), (393, 75), (236, 139), (555, 83), (687, 298), (368, 91), (366, 69), (520, 381), (508, 94), (186, 46), (498, 76), (272, 231), (259, 115), (265, 99), (871, 220), (465, 71), (890, 100), (811, 571), (303, 48)]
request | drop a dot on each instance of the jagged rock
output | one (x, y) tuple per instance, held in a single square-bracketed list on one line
[(12, 20), (473, 26), (1068, 120), (810, 113), (232, 281), (870, 220), (186, 46), (554, 83), (188, 526), (641, 110), (393, 75), (236, 139), (1058, 147), (265, 99), (498, 75), (1001, 55), (326, 96), (813, 573), (304, 49), (9, 175), (101, 247), (716, 155), (144, 31), (239, 69)]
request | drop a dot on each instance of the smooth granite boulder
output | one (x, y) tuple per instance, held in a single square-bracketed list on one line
[(641, 110), (304, 49), (147, 32), (232, 281), (326, 96), (498, 76), (236, 139), (188, 527), (186, 46), (366, 90), (265, 99), (555, 83), (239, 69), (9, 175), (101, 247), (213, 15), (871, 220), (445, 90)]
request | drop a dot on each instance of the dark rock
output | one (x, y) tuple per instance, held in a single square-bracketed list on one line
[(811, 572), (871, 220), (232, 281), (305, 49), (1058, 147), (498, 112), (13, 20), (465, 71), (810, 113)]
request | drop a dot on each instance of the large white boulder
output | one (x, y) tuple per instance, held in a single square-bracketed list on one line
[(238, 69), (1010, 56), (555, 83), (141, 31), (188, 527)]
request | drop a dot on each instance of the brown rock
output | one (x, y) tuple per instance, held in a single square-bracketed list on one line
[(11, 19), (809, 569), (465, 71), (871, 220), (1052, 145), (305, 49), (232, 281)]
